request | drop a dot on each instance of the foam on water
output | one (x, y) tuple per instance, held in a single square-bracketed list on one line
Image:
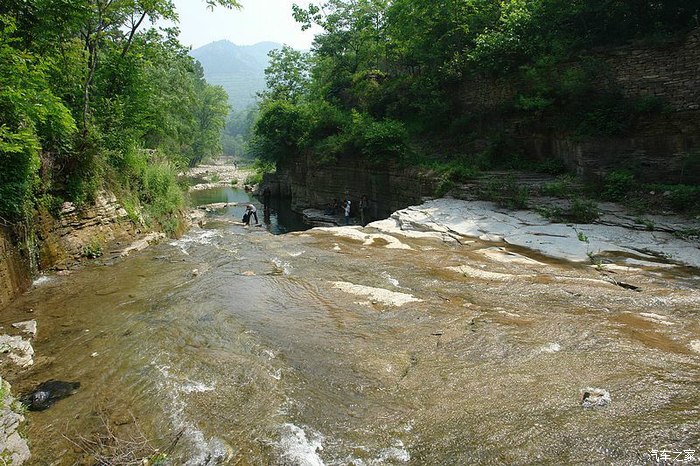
[(695, 345), (196, 237), (387, 277), (202, 451), (297, 448), (283, 266), (196, 387), (551, 348), (397, 452), (41, 280)]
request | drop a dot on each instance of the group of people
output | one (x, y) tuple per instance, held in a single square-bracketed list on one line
[(334, 208)]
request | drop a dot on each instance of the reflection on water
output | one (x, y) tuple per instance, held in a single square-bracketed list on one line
[(279, 219), (239, 341)]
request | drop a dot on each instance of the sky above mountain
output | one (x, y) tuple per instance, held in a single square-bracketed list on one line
[(258, 21), (239, 69)]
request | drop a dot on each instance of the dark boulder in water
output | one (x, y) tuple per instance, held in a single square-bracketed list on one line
[(47, 393)]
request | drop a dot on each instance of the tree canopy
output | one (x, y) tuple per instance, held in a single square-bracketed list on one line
[(92, 95), (381, 68)]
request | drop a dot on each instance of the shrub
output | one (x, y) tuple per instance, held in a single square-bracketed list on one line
[(444, 187), (562, 187), (93, 249), (684, 198), (379, 141), (507, 193), (162, 196), (260, 168), (617, 184), (583, 211)]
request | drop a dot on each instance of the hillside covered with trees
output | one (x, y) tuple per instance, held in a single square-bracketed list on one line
[(91, 97), (386, 81)]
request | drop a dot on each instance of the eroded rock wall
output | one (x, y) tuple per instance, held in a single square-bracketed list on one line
[(78, 233), (387, 189), (61, 242), (14, 268)]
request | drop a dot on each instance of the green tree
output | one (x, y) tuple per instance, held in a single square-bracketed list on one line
[(287, 76)]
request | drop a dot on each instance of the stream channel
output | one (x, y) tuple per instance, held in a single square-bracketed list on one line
[(320, 347)]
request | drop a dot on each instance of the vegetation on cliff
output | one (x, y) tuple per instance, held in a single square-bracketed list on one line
[(90, 98), (384, 78)]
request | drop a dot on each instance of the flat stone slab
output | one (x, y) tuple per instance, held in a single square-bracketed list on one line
[(574, 242)]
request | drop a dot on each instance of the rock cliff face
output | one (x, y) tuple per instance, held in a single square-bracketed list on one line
[(77, 233), (14, 269), (387, 189)]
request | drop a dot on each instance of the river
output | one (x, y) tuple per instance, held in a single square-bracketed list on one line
[(311, 348)]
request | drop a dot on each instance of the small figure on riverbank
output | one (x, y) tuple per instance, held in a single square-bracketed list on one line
[(364, 207), (251, 211), (346, 210), (267, 194), (332, 208)]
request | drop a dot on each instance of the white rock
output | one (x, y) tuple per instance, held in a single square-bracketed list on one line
[(19, 351), (594, 397), (27, 326), (379, 295), (528, 229)]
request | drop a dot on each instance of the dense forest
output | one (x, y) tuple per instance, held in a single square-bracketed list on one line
[(92, 98), (382, 78)]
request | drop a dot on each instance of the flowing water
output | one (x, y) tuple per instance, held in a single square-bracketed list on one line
[(252, 348)]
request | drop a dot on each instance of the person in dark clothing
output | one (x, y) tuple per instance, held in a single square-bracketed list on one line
[(364, 207), (267, 194)]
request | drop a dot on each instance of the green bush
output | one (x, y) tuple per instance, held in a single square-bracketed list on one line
[(444, 187), (582, 211), (19, 166), (506, 192), (562, 187), (685, 198), (378, 141), (162, 197), (93, 249), (617, 184), (260, 168)]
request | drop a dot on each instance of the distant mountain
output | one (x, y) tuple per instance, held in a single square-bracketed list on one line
[(240, 69)]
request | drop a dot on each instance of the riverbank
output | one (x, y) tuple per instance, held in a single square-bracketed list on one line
[(615, 238), (223, 173), (415, 342)]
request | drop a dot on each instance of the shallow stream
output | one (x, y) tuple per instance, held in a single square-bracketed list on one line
[(310, 348)]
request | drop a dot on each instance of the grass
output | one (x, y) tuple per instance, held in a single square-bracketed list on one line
[(506, 192)]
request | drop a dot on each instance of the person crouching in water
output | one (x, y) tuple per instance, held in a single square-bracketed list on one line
[(251, 211)]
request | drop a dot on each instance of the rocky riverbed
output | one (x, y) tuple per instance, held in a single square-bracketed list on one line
[(452, 332)]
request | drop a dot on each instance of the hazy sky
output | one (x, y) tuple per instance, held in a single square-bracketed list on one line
[(258, 21)]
